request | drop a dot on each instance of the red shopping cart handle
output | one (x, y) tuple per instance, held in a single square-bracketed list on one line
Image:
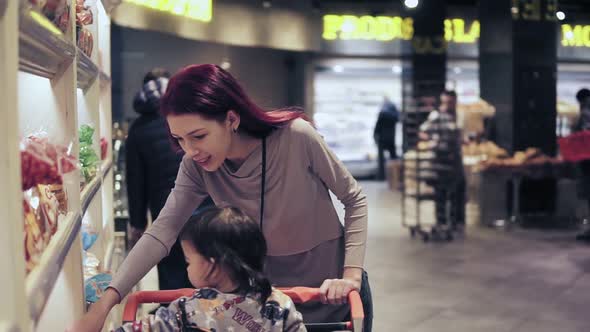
[(305, 294), (164, 296), (297, 294)]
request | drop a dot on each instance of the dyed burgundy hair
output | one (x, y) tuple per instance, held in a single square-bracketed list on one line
[(210, 91)]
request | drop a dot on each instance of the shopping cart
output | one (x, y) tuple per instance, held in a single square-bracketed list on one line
[(297, 294)]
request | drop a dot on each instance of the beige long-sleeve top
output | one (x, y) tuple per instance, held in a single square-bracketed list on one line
[(298, 214)]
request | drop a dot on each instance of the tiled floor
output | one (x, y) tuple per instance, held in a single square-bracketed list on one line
[(491, 280)]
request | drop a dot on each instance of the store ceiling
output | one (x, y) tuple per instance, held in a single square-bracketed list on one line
[(574, 5), (575, 10)]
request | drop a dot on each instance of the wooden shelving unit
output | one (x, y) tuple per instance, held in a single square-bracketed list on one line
[(50, 86)]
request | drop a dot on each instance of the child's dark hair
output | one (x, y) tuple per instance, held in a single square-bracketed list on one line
[(235, 242)]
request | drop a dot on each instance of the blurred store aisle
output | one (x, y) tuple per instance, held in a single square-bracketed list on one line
[(491, 280)]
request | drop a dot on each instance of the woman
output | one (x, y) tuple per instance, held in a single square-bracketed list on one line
[(277, 169)]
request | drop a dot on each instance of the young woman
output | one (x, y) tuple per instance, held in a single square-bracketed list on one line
[(276, 168), (225, 252)]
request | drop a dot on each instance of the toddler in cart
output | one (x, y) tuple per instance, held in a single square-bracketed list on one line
[(225, 252)]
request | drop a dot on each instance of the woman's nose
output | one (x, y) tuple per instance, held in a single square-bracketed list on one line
[(192, 150)]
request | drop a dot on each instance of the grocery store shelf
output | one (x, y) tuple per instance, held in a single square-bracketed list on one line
[(8, 327), (104, 79), (106, 166), (3, 5), (87, 71), (41, 279), (89, 192), (43, 48)]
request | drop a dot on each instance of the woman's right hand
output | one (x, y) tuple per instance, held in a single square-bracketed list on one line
[(94, 319)]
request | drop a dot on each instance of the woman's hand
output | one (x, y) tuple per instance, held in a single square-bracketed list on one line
[(335, 291), (94, 319)]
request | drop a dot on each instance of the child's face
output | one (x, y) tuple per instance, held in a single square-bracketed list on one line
[(199, 268)]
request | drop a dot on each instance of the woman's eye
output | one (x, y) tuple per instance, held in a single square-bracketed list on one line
[(199, 137)]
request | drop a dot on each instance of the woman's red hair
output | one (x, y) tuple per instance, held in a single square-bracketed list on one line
[(210, 91)]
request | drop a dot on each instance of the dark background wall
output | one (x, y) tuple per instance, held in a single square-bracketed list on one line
[(273, 78)]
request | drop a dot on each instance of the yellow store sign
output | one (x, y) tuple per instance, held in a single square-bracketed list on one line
[(201, 10), (575, 36), (387, 28), (382, 28)]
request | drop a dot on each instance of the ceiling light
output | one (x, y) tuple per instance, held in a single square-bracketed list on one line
[(560, 15), (411, 3)]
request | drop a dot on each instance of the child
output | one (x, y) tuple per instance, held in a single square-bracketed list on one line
[(225, 251)]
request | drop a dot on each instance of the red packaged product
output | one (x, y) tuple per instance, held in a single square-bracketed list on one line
[(54, 8), (84, 14), (85, 41), (63, 21), (104, 147), (36, 166)]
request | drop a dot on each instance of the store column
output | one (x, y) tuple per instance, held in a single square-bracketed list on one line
[(424, 76), (517, 63), (429, 50)]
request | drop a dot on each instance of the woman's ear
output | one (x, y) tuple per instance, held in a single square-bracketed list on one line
[(233, 120)]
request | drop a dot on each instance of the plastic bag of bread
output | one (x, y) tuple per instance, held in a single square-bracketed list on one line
[(49, 209), (62, 197), (34, 231), (36, 166)]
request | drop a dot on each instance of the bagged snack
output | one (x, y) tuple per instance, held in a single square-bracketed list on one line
[(91, 264), (89, 235), (61, 195), (63, 21), (85, 41), (84, 14), (36, 166), (43, 162), (61, 155), (95, 286), (53, 9), (33, 236), (49, 209)]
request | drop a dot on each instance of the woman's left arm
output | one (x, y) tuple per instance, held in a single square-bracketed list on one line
[(338, 179)]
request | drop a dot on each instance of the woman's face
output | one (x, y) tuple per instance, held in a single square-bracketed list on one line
[(199, 268), (206, 141)]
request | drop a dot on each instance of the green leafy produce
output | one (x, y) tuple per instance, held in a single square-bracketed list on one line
[(88, 157)]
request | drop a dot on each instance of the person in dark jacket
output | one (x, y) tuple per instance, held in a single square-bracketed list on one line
[(151, 169), (384, 133)]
